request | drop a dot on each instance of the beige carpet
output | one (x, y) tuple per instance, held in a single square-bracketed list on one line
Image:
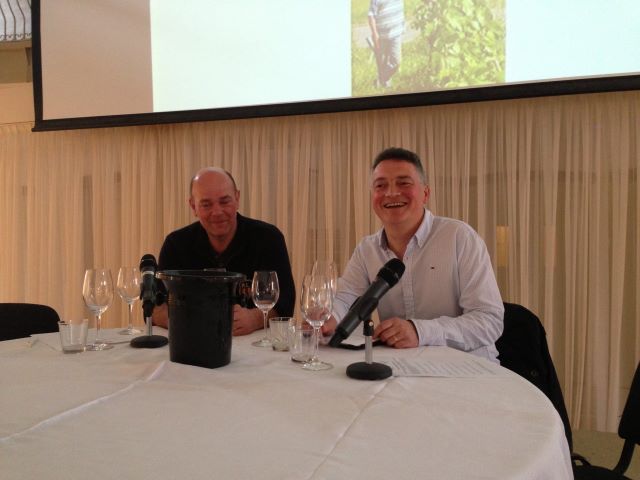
[(603, 449)]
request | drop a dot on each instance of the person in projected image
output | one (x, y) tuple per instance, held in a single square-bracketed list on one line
[(386, 22), (222, 238), (448, 294)]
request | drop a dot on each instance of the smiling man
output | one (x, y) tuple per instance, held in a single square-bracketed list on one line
[(448, 294), (222, 238)]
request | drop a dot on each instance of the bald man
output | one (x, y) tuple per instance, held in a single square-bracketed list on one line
[(222, 238)]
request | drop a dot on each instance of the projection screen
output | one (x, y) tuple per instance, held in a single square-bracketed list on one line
[(127, 62)]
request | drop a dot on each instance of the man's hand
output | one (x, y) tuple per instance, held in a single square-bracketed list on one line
[(329, 327), (160, 316), (246, 320), (397, 333)]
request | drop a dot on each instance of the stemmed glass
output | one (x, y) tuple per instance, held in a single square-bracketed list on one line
[(315, 304), (329, 270), (97, 291), (128, 286), (265, 292)]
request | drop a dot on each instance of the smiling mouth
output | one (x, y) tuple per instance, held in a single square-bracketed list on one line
[(218, 224), (395, 205)]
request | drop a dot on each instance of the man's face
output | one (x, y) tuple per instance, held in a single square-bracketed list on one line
[(398, 194), (215, 202)]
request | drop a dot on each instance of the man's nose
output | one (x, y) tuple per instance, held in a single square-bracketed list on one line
[(392, 190), (216, 209)]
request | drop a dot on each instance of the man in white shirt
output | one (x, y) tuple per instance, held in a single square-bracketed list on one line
[(448, 294)]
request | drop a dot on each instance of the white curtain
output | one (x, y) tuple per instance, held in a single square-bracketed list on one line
[(551, 184)]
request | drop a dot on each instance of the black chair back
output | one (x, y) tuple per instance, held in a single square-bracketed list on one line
[(523, 349), (628, 429), (18, 320)]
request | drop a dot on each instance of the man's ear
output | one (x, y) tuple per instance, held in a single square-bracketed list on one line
[(427, 193), (192, 204)]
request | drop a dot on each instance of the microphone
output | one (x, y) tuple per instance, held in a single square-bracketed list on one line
[(362, 308), (148, 295), (148, 267)]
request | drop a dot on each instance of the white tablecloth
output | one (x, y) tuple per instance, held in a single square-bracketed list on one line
[(133, 414)]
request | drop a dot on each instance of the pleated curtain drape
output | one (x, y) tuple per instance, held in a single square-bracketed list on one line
[(551, 184)]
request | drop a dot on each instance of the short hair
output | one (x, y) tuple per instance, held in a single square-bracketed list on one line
[(212, 169), (401, 154)]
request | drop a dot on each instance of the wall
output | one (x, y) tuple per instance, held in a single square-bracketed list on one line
[(16, 103)]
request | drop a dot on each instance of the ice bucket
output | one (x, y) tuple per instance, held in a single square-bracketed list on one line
[(201, 315)]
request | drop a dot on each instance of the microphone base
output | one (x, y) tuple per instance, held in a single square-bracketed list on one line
[(149, 341), (369, 371)]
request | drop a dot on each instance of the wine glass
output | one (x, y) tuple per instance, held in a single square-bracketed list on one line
[(265, 292), (97, 291), (329, 270), (315, 304), (128, 287)]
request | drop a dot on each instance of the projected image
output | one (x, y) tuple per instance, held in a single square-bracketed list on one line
[(401, 46), (243, 58), (239, 53)]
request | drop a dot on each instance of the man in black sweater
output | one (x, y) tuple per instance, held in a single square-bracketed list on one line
[(222, 238)]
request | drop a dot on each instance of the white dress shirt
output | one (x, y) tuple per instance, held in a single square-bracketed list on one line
[(448, 289)]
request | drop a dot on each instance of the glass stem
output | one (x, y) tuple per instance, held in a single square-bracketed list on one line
[(316, 333), (130, 316), (98, 321), (265, 314)]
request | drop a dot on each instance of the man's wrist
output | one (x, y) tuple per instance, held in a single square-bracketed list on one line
[(258, 319)]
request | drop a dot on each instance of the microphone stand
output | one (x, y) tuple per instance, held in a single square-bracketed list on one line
[(368, 370), (149, 340)]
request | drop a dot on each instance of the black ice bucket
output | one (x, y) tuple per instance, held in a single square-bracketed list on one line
[(201, 315)]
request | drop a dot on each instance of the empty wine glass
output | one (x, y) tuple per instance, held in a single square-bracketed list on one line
[(97, 291), (315, 304), (265, 292), (329, 270), (128, 287)]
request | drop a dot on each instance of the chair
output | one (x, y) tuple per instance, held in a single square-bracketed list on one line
[(523, 349), (18, 320), (628, 430)]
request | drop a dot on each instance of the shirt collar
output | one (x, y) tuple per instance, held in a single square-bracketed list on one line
[(425, 228), (420, 236)]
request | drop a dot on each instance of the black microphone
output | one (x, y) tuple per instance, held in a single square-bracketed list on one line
[(362, 308), (148, 267), (149, 295)]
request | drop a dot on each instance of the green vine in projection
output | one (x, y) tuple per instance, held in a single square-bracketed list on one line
[(460, 43)]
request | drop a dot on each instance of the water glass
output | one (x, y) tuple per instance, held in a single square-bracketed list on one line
[(301, 342), (73, 335), (279, 333)]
